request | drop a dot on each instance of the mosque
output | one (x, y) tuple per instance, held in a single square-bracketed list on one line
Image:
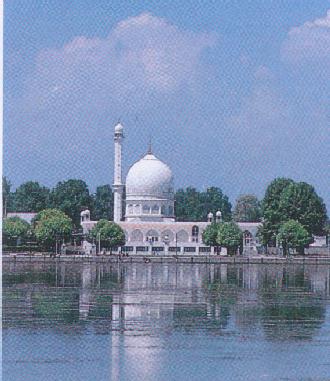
[(149, 221)]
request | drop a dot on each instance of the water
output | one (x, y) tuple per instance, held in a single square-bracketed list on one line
[(166, 322)]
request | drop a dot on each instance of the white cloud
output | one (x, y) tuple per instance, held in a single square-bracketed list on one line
[(310, 41), (142, 55), (262, 119)]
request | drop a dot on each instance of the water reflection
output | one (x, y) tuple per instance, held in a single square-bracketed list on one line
[(284, 301), (165, 322)]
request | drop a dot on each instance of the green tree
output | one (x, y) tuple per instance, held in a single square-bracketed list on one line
[(210, 235), (213, 200), (15, 229), (300, 202), (293, 235), (247, 209), (187, 205), (30, 197), (71, 197), (103, 203), (271, 211), (109, 233), (51, 225), (191, 205), (6, 195), (286, 200), (230, 236)]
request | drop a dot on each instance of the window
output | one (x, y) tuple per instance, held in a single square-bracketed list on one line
[(127, 248), (157, 248), (130, 209), (136, 236), (152, 236), (142, 248), (182, 236), (204, 249), (137, 209), (247, 237), (189, 249), (167, 235), (155, 209), (194, 233), (146, 209)]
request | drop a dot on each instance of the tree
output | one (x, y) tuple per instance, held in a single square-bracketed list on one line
[(6, 195), (30, 197), (293, 235), (109, 233), (230, 236), (71, 197), (270, 206), (15, 229), (300, 202), (213, 200), (103, 203), (287, 200), (191, 205), (187, 205), (247, 209), (51, 225), (210, 235)]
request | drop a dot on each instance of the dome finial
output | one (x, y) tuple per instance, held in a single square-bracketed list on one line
[(149, 146)]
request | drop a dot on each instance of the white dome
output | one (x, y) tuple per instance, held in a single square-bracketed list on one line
[(150, 177), (119, 128)]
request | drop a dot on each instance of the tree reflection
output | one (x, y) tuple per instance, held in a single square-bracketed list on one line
[(56, 309), (290, 309)]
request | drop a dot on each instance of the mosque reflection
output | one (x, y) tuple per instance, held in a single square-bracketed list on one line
[(279, 302)]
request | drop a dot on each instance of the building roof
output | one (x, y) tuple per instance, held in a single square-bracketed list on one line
[(151, 177)]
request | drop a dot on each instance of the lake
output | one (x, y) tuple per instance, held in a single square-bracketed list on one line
[(87, 322)]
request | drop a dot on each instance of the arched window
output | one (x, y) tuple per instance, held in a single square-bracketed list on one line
[(136, 236), (182, 236), (168, 235), (152, 236), (194, 233), (247, 237)]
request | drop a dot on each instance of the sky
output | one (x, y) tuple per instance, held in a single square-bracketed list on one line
[(232, 93)]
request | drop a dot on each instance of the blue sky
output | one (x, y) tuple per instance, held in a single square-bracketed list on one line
[(233, 93)]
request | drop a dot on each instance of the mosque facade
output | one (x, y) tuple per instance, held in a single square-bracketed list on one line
[(149, 220)]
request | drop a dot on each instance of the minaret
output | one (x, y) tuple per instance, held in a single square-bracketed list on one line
[(117, 183)]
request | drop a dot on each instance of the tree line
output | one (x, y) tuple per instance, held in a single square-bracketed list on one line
[(291, 214), (288, 209), (72, 196)]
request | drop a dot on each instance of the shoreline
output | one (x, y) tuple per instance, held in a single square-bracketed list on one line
[(185, 259)]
